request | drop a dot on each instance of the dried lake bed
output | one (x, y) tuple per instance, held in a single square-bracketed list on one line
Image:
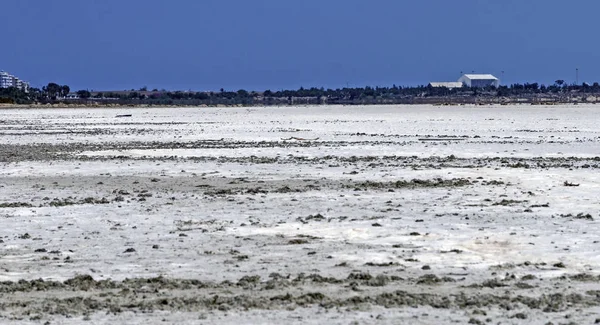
[(302, 215)]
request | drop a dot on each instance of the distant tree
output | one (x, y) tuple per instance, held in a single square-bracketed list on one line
[(64, 90), (144, 88), (559, 82), (35, 92), (13, 95), (369, 91), (502, 91), (84, 94), (53, 90)]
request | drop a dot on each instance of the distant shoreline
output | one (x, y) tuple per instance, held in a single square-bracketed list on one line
[(412, 103), (55, 95)]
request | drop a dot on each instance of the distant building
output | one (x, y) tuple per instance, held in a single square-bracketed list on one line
[(470, 80), (479, 80), (449, 85), (7, 80)]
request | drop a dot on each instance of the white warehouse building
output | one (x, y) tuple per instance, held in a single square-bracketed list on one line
[(479, 80), (469, 80)]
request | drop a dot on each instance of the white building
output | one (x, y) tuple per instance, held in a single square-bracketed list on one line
[(479, 80), (7, 80), (449, 85)]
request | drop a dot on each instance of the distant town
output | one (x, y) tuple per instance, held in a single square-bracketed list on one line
[(468, 89), (7, 81)]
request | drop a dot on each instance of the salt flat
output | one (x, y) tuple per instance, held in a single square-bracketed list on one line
[(415, 214)]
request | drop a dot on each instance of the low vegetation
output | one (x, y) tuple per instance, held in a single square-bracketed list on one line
[(527, 92)]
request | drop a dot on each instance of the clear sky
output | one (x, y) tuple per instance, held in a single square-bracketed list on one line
[(275, 44)]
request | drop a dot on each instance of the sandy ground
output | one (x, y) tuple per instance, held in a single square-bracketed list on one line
[(302, 215)]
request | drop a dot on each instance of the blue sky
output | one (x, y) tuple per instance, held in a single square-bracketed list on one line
[(282, 44)]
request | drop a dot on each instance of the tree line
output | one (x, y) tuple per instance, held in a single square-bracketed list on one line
[(56, 93)]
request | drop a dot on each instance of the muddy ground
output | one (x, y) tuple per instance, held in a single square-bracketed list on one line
[(307, 215)]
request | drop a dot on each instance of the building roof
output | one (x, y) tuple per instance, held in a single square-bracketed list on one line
[(452, 84), (480, 76)]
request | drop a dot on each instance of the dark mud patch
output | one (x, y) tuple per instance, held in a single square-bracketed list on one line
[(506, 202), (56, 202), (432, 279), (415, 183), (83, 295), (579, 216), (16, 205)]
